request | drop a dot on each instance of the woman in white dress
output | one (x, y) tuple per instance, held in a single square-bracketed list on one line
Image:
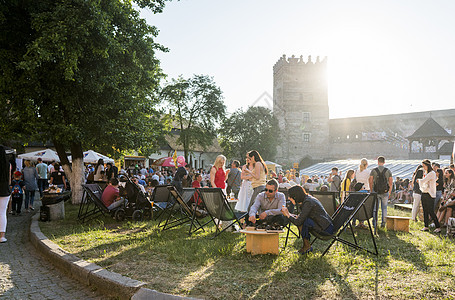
[(362, 175), (246, 189)]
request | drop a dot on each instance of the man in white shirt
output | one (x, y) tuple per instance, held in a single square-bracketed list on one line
[(285, 184), (310, 186), (143, 171), (155, 176), (297, 178), (50, 168)]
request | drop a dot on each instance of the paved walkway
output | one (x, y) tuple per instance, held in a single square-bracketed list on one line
[(24, 274)]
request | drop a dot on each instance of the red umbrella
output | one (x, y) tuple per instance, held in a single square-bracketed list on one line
[(169, 162), (159, 161)]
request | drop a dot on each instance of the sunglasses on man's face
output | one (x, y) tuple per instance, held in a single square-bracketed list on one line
[(269, 191)]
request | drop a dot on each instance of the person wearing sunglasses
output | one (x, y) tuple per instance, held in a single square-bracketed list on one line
[(266, 209)]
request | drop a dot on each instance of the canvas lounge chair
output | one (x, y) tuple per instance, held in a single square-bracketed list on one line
[(162, 200), (219, 208), (183, 215), (342, 218), (328, 201), (370, 211), (92, 207)]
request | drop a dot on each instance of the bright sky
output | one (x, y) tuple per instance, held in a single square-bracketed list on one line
[(390, 56)]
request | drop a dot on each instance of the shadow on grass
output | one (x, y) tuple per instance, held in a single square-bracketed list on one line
[(391, 246), (306, 277), (197, 266), (174, 245)]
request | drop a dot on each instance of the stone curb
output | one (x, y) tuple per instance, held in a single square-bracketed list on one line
[(109, 283)]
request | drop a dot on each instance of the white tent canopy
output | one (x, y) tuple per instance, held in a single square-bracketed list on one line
[(46, 155), (92, 157), (402, 168), (277, 166)]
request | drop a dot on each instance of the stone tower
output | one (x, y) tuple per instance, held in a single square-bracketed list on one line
[(300, 103)]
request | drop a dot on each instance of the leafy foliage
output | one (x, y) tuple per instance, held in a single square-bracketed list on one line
[(196, 105), (253, 129), (80, 72)]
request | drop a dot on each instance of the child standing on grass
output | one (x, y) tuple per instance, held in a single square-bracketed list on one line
[(17, 192)]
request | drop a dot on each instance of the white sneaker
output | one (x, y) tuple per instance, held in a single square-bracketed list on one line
[(3, 240)]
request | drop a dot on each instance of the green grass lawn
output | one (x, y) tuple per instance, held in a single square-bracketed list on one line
[(415, 265)]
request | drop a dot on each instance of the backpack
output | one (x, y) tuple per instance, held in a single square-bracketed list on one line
[(355, 186), (381, 185), (17, 189)]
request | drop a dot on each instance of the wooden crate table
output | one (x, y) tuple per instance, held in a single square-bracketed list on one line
[(398, 223), (262, 242)]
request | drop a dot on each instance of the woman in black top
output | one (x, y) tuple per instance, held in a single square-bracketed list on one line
[(312, 216), (416, 192), (58, 177)]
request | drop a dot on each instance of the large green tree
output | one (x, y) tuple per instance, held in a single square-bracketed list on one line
[(82, 74), (196, 106), (253, 129)]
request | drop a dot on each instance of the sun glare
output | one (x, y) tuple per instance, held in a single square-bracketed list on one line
[(363, 73)]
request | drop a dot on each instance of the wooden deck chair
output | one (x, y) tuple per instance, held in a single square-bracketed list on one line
[(218, 208), (91, 205), (328, 201), (186, 213), (342, 218)]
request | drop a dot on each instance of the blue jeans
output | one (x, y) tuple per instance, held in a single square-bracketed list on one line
[(29, 198), (437, 199), (308, 224), (42, 185), (383, 199), (116, 204)]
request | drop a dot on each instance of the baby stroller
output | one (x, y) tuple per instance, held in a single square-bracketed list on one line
[(137, 206)]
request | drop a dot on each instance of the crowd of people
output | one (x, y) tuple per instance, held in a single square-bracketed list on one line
[(257, 189), (34, 176)]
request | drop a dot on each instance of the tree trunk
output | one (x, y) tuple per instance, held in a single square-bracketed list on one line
[(74, 173), (185, 149), (77, 178)]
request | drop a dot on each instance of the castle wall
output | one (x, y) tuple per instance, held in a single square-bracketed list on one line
[(300, 103), (382, 135)]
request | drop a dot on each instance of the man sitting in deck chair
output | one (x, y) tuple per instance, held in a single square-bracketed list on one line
[(312, 216), (110, 197), (268, 206)]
